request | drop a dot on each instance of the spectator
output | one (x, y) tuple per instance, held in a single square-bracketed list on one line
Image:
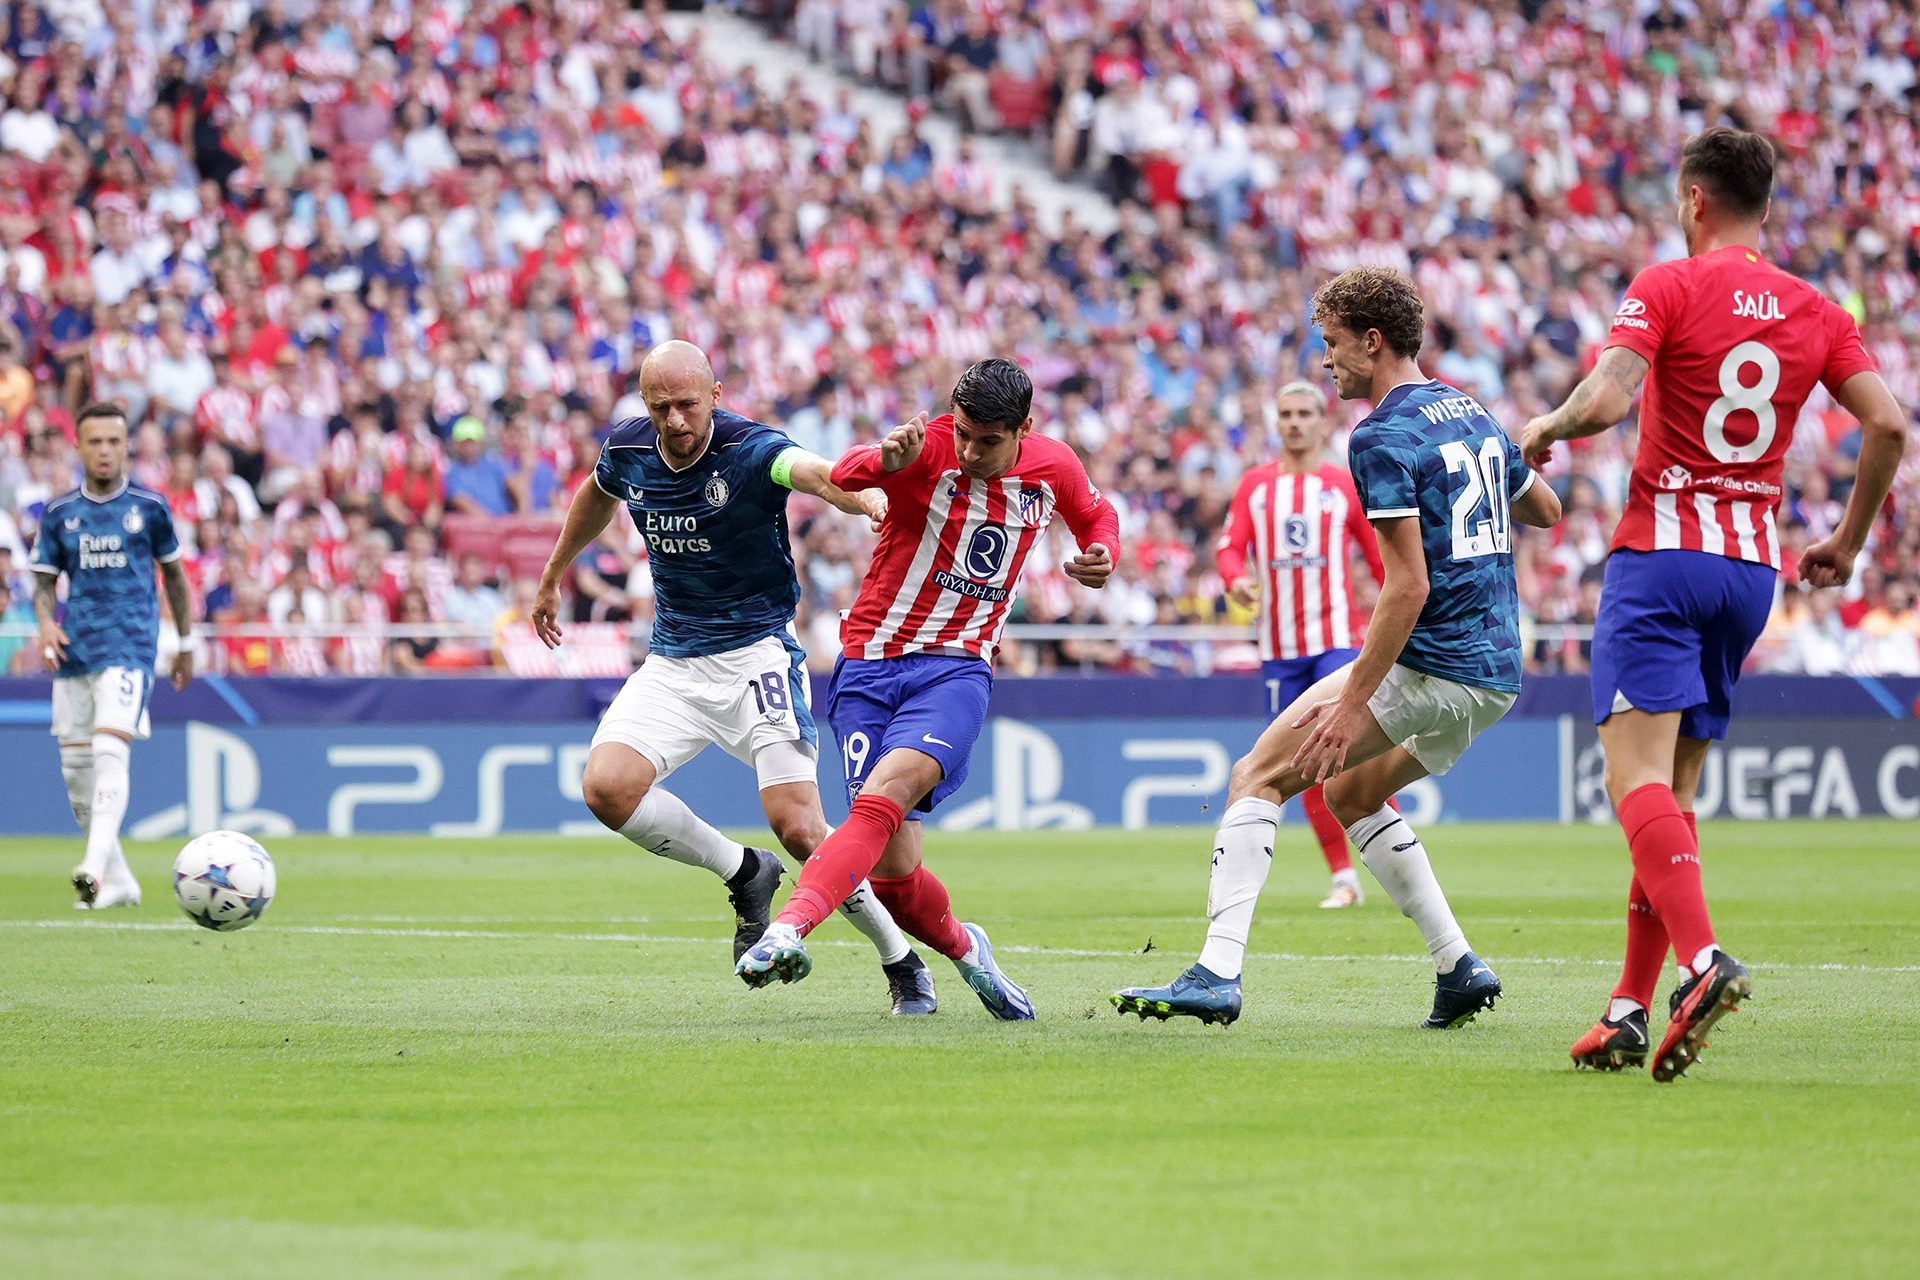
[(477, 479), (472, 600)]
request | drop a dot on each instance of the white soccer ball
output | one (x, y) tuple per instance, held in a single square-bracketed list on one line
[(224, 880)]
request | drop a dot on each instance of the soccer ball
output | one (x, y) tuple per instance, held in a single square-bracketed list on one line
[(224, 880)]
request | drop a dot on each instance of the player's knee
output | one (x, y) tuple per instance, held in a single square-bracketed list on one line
[(798, 832), (1245, 780), (1349, 802), (612, 794)]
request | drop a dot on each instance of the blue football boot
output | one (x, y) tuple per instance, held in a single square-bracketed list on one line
[(910, 983), (1003, 998), (779, 954), (1197, 993), (1462, 993)]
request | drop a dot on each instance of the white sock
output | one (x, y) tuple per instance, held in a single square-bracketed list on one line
[(663, 825), (867, 914), (110, 759), (1350, 878), (1242, 856), (1399, 862), (1702, 960), (1620, 1006), (76, 766)]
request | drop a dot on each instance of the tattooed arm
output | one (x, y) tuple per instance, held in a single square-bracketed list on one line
[(180, 605), (1599, 402)]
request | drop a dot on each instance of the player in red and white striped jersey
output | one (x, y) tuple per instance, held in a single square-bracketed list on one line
[(1730, 347), (1289, 544), (969, 496)]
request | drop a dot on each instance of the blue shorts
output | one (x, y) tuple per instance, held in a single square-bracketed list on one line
[(1673, 629), (1285, 679), (933, 703)]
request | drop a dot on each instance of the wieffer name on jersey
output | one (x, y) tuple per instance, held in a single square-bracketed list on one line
[(1735, 346)]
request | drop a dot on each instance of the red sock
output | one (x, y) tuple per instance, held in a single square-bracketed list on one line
[(1646, 948), (919, 904), (1666, 863), (841, 862), (1327, 829)]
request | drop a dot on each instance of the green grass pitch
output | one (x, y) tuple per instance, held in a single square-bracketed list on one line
[(529, 1058)]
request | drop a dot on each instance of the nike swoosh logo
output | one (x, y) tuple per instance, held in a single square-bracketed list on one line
[(1402, 848), (927, 737)]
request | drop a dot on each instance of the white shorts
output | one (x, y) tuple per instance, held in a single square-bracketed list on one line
[(750, 702), (1435, 719), (111, 698)]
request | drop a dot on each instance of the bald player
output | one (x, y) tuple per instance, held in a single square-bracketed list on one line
[(708, 490)]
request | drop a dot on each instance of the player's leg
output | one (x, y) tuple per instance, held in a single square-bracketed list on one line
[(1463, 984), (653, 727), (73, 730), (798, 823), (119, 716), (1345, 890), (1261, 781), (1713, 983), (925, 909)]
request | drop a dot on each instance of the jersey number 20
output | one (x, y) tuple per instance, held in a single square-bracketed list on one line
[(1481, 525)]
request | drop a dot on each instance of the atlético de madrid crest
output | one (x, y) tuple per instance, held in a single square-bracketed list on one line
[(717, 492), (132, 522)]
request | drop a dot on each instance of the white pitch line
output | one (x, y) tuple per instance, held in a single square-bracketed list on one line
[(667, 940)]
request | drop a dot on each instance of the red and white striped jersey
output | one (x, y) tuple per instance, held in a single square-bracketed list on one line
[(952, 548), (1300, 532), (1736, 346)]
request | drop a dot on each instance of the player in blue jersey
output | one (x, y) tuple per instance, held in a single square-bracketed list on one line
[(106, 537), (708, 490), (1441, 483)]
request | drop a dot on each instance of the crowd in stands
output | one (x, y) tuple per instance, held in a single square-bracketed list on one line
[(369, 275)]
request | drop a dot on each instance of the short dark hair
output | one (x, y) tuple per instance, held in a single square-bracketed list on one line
[(1363, 298), (98, 409), (1732, 166), (994, 391)]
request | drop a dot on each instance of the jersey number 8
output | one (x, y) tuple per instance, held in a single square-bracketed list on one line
[(1474, 534), (1735, 395)]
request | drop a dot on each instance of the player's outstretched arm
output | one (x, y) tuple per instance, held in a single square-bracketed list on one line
[(1598, 403), (1883, 439), (1338, 722), (180, 605), (592, 508), (805, 472), (1538, 507)]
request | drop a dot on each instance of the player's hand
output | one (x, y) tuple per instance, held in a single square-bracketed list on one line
[(546, 614), (1091, 568), (903, 443), (53, 643), (1537, 441), (874, 503), (1336, 724), (1244, 591), (182, 668), (1826, 563)]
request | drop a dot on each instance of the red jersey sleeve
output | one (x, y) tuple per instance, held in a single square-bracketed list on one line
[(1651, 304), (1087, 511), (1230, 552), (1846, 353), (860, 468), (1360, 529)]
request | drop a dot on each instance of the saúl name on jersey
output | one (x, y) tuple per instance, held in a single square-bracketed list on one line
[(1757, 306)]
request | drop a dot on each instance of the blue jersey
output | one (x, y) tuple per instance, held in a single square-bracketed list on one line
[(716, 533), (1434, 453), (108, 548)]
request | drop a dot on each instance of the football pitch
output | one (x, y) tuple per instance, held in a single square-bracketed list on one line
[(529, 1058)]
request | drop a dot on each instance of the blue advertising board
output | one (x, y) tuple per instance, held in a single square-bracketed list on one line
[(276, 756)]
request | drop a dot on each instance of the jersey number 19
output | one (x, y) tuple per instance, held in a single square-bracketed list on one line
[(1481, 525)]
